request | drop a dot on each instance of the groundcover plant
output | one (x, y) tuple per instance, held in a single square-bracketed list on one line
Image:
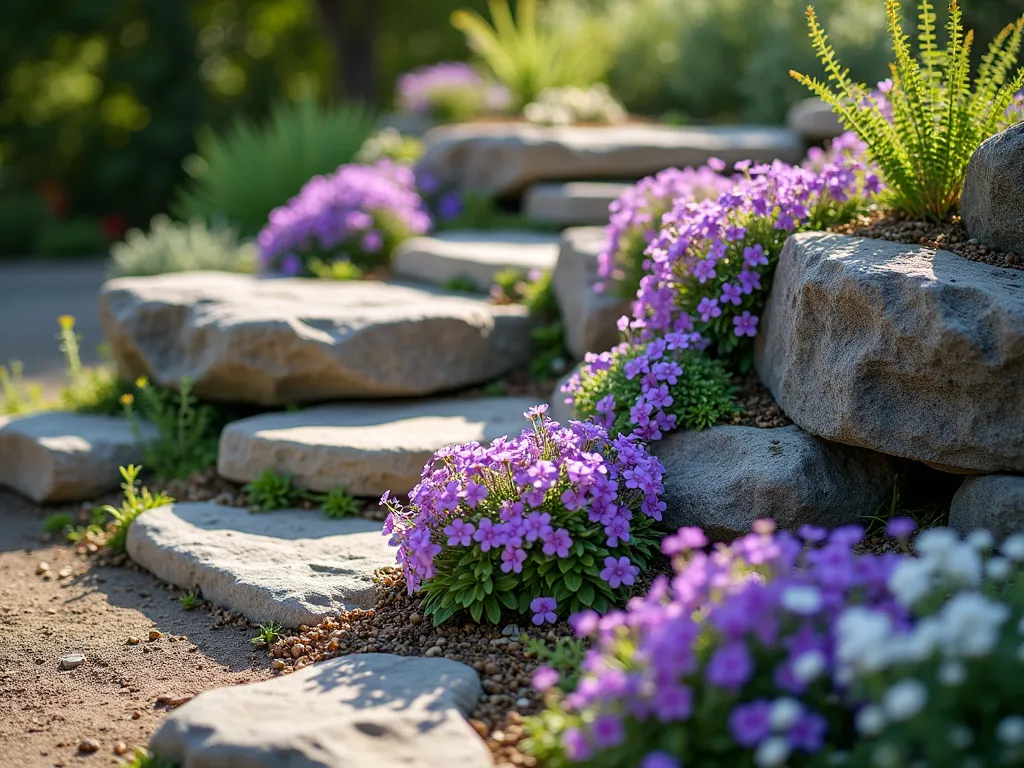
[(548, 523)]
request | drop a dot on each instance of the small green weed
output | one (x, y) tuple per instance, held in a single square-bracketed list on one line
[(57, 522), (876, 524), (495, 389), (565, 658), (142, 758), (460, 285), (190, 600), (136, 501), (86, 390), (269, 633), (339, 504), (335, 270), (272, 490), (16, 395), (535, 292), (94, 531)]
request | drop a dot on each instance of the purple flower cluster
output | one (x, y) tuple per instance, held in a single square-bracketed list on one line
[(711, 264), (451, 89), (357, 214), (550, 494), (741, 641), (636, 216)]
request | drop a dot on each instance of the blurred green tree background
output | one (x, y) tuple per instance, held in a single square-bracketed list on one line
[(101, 100)]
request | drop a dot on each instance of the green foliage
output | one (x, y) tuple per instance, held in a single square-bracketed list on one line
[(535, 292), (527, 57), (142, 758), (250, 170), (135, 502), (58, 522), (22, 217), (71, 237), (335, 270), (272, 490), (460, 285), (190, 600), (86, 390), (338, 504), (389, 144), (479, 211), (565, 658), (938, 116), (269, 633), (94, 531), (18, 395), (187, 432), (171, 246), (702, 396)]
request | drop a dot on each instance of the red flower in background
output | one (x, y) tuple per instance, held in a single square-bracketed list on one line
[(114, 226)]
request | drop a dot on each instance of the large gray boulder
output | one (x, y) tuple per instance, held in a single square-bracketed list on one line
[(992, 201), (356, 711), (57, 456), (292, 567), (907, 351), (505, 158), (589, 318), (724, 478), (474, 256), (278, 341), (992, 502), (365, 449), (814, 120), (572, 203)]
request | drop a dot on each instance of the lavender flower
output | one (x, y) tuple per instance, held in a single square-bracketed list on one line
[(543, 609), (450, 90)]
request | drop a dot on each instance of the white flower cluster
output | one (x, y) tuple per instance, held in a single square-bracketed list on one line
[(568, 106)]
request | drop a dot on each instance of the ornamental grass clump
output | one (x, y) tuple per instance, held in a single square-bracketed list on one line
[(651, 388), (551, 522), (636, 217), (729, 663), (449, 91), (711, 264), (354, 216), (938, 116)]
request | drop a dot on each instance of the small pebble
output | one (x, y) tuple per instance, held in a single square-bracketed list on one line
[(42, 568), (88, 745), (120, 748), (415, 618), (136, 714), (155, 634), (64, 572), (433, 651), (72, 660), (512, 630), (133, 640), (490, 668), (522, 703)]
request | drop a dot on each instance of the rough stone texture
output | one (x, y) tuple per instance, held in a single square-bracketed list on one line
[(814, 120), (994, 502), (589, 318), (56, 456), (505, 158), (365, 449), (725, 478), (289, 566), (272, 342), (992, 202), (899, 349), (357, 711), (573, 203), (477, 256)]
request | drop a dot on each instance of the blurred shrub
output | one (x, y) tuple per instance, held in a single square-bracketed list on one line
[(171, 246), (22, 215), (389, 144), (71, 237), (244, 174)]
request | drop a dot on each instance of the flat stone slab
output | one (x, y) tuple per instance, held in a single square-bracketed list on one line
[(814, 120), (471, 255), (573, 203), (58, 456), (278, 341), (992, 502), (505, 158), (724, 478), (589, 318), (365, 449), (290, 566), (356, 711), (907, 351)]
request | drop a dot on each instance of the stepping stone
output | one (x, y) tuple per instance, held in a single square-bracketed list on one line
[(365, 449), (58, 456), (814, 120), (241, 338), (589, 318), (573, 203), (369, 709), (993, 502), (504, 158), (900, 349), (290, 566), (475, 256), (724, 478)]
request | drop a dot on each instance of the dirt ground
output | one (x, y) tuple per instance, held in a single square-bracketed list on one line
[(46, 712)]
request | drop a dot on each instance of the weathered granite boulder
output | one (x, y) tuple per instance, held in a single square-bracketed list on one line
[(505, 158), (364, 448), (814, 120), (992, 201), (573, 203), (357, 711), (900, 349), (724, 478), (589, 318), (273, 342), (58, 456), (293, 567), (993, 502), (475, 256)]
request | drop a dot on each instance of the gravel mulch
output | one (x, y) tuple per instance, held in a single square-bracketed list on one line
[(757, 407), (949, 236)]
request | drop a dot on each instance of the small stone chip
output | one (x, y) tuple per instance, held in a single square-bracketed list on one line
[(64, 572), (155, 634), (72, 660), (88, 745), (133, 640), (43, 567), (120, 748)]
